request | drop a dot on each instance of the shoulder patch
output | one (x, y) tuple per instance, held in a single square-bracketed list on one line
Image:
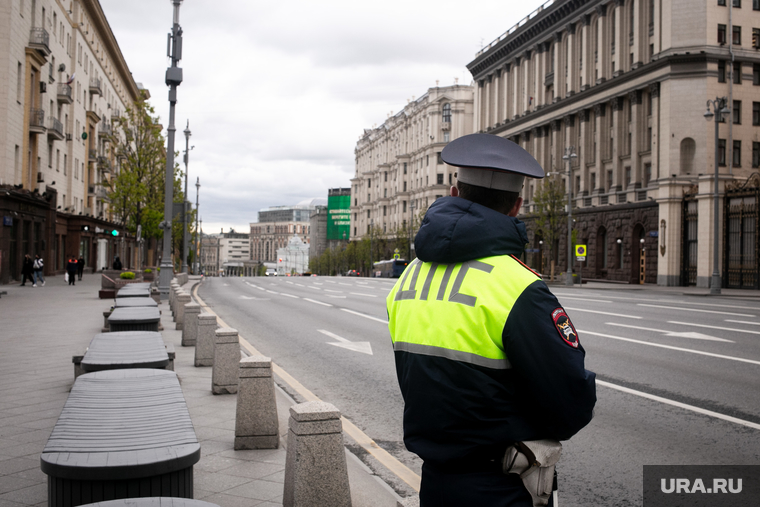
[(565, 328), (525, 266)]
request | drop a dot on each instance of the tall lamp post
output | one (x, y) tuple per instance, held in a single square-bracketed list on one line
[(197, 191), (719, 108), (200, 250), (569, 156), (173, 79), (185, 234), (371, 232), (412, 206)]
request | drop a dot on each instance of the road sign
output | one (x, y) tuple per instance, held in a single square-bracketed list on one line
[(580, 253)]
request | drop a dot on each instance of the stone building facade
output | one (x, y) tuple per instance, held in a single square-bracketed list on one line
[(277, 225), (399, 172), (623, 84), (65, 79), (210, 255)]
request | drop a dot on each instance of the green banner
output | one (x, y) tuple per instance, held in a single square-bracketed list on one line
[(338, 216)]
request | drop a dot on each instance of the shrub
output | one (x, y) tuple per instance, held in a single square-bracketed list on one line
[(127, 275), (147, 271)]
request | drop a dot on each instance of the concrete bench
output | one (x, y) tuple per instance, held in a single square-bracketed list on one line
[(3, 292), (129, 303), (123, 350), (128, 292), (153, 502), (134, 319), (121, 434)]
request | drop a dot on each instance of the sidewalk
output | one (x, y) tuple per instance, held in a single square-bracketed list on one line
[(42, 327)]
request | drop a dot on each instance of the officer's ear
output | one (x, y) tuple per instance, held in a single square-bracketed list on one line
[(516, 208), (454, 192)]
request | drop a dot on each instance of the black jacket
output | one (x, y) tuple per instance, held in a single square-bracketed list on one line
[(458, 412)]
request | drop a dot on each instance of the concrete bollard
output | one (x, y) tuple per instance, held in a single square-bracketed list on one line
[(256, 423), (182, 299), (190, 327), (173, 288), (224, 376), (315, 463), (204, 345)]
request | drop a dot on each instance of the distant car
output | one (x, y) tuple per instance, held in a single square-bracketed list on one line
[(352, 272)]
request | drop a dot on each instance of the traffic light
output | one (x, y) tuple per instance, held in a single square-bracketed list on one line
[(280, 259), (114, 233)]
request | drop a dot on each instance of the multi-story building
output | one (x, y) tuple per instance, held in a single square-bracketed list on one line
[(278, 224), (399, 171), (210, 255), (624, 84), (65, 80)]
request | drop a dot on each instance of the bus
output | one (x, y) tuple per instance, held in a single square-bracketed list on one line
[(390, 268)]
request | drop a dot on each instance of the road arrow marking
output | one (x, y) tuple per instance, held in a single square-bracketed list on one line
[(363, 347), (686, 334)]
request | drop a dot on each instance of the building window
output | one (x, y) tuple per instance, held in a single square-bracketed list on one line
[(404, 186), (385, 210), (593, 181), (385, 176), (446, 113), (737, 156), (627, 176), (440, 160), (439, 181), (756, 113), (369, 183), (737, 38), (722, 3), (756, 5), (722, 152), (647, 174), (609, 180), (737, 112), (738, 4), (737, 73), (721, 71), (755, 154), (756, 72), (721, 34), (447, 136), (403, 206), (649, 139), (404, 167)]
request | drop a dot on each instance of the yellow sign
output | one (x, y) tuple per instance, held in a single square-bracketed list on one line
[(580, 252)]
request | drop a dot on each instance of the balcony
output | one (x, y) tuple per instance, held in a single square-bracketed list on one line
[(93, 155), (115, 113), (105, 129), (55, 129), (549, 79), (40, 40), (104, 164), (95, 86), (37, 121), (446, 125), (64, 93)]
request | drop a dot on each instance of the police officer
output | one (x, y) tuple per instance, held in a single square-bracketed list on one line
[(485, 355)]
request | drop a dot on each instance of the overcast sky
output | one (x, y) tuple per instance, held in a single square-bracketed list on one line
[(277, 94)]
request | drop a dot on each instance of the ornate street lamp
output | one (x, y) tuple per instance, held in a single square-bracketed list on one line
[(569, 156)]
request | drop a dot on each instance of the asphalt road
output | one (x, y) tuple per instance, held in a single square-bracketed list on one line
[(678, 375)]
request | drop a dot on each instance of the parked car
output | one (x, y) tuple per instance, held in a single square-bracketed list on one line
[(352, 272)]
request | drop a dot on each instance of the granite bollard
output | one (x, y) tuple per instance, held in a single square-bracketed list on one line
[(173, 288), (181, 299), (315, 463), (224, 376), (256, 423), (204, 345), (190, 328)]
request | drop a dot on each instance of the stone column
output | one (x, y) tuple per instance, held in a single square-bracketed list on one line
[(602, 43), (637, 125), (256, 423), (315, 464), (180, 300), (190, 327), (204, 345), (224, 377), (618, 132)]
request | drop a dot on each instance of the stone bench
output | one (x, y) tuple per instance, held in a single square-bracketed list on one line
[(3, 292), (134, 319), (121, 434), (124, 350), (129, 292), (129, 303), (153, 502)]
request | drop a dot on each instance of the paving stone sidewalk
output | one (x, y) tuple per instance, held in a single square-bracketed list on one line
[(41, 328)]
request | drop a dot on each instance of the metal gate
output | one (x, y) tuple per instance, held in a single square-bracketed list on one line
[(741, 254), (690, 240)]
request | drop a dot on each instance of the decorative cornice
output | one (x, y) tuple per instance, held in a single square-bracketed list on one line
[(601, 10), (583, 115), (570, 28), (569, 120), (635, 97), (555, 124), (617, 103), (600, 109)]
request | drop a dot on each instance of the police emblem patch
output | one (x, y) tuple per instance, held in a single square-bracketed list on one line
[(565, 328)]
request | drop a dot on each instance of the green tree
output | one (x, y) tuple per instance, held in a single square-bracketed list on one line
[(550, 213)]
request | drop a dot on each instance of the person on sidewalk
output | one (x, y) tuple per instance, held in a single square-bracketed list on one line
[(117, 263), (487, 359), (38, 266), (27, 270), (80, 267), (71, 270)]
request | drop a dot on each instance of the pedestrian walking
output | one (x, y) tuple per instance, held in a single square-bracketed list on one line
[(489, 364), (38, 266), (71, 269), (117, 263), (80, 267), (27, 270)]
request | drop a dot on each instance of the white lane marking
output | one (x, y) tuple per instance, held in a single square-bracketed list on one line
[(720, 356), (364, 315), (289, 295), (714, 327), (360, 294), (346, 284), (363, 347), (254, 299), (336, 297), (742, 322), (288, 281), (331, 290), (315, 288), (678, 404), (261, 288), (315, 283), (694, 310), (584, 299), (672, 301), (300, 285), (226, 285), (272, 292), (317, 302), (603, 313), (689, 334)]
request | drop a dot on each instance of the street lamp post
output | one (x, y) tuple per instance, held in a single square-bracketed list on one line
[(569, 156), (412, 206), (173, 79), (185, 238), (371, 232), (197, 191), (200, 248), (720, 108)]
